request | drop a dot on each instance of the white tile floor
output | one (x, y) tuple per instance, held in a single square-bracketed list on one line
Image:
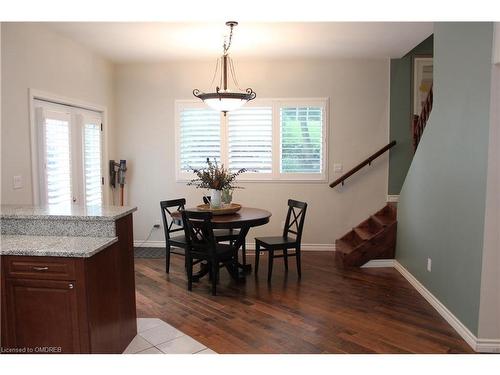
[(154, 336)]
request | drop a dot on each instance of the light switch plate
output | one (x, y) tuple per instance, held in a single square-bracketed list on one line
[(337, 168), (429, 264), (17, 182)]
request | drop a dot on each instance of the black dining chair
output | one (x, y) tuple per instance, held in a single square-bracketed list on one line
[(203, 246), (230, 235), (294, 225), (170, 226)]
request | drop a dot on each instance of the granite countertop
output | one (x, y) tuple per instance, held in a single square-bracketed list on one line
[(65, 212), (54, 246)]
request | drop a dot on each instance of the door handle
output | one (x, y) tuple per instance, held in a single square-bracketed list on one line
[(40, 268), (71, 286)]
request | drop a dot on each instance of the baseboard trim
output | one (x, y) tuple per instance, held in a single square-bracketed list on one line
[(477, 344), (379, 263), (488, 346), (249, 245), (393, 198)]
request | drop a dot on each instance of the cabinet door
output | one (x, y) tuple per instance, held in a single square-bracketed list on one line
[(42, 315)]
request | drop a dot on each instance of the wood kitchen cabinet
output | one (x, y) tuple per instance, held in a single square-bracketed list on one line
[(71, 305), (44, 315)]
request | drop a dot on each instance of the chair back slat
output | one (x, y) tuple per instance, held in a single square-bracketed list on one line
[(167, 207), (199, 232), (295, 216)]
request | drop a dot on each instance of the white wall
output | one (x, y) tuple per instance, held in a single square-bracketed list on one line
[(358, 92), (34, 57)]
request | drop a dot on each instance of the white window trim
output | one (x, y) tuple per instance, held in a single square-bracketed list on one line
[(34, 94), (275, 176)]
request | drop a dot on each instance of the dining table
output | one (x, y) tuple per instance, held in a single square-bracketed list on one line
[(242, 220)]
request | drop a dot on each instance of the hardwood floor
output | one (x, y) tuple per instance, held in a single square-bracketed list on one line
[(330, 310)]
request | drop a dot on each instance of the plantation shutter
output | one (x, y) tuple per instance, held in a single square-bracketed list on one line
[(57, 163), (199, 137), (69, 148), (301, 134), (92, 162), (250, 139)]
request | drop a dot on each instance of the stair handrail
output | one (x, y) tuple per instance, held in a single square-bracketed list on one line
[(419, 122), (367, 161)]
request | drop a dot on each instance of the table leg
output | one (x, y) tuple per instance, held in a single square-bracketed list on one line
[(247, 268), (204, 269), (243, 268)]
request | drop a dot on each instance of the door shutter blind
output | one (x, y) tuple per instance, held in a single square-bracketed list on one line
[(301, 130), (57, 161), (199, 137), (92, 163), (250, 137)]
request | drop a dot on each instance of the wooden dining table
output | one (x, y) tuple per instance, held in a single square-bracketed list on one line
[(243, 220)]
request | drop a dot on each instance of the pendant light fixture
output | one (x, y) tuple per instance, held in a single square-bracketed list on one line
[(223, 99)]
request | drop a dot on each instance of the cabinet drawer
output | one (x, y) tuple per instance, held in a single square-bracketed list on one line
[(39, 268)]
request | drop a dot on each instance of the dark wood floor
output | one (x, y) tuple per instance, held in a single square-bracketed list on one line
[(331, 310)]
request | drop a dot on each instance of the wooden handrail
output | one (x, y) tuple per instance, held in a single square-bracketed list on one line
[(362, 164), (419, 122)]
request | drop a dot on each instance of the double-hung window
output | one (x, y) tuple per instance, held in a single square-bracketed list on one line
[(273, 139), (69, 152)]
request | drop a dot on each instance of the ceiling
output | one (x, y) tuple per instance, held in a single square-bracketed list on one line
[(154, 41)]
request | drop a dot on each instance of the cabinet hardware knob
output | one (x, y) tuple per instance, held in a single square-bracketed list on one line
[(40, 268), (71, 286)]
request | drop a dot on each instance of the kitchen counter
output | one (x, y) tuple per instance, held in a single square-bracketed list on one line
[(62, 220), (54, 246), (63, 212)]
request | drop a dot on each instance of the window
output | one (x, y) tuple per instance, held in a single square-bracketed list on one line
[(69, 154), (301, 139), (200, 137), (92, 162), (58, 158), (250, 139), (272, 139)]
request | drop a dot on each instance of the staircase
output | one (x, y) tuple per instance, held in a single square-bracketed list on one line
[(374, 238)]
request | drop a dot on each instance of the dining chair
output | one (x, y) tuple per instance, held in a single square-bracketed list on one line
[(169, 226), (294, 225), (203, 246), (230, 235)]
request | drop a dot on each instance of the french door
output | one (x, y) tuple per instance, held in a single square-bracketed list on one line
[(69, 154)]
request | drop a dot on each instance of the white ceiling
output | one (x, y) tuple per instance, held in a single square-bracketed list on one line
[(153, 41)]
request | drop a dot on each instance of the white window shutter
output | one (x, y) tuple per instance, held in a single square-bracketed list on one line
[(301, 146), (92, 172), (57, 161), (199, 137), (250, 139)]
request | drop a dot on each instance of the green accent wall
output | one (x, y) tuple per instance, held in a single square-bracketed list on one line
[(401, 113), (442, 202)]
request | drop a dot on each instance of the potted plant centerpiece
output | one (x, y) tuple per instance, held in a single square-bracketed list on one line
[(215, 178)]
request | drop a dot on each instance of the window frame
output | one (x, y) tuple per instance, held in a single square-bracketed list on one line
[(276, 104), (56, 102)]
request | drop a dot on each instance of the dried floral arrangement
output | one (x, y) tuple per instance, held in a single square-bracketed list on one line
[(215, 176)]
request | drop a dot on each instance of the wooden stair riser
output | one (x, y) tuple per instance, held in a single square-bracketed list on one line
[(381, 246), (374, 238)]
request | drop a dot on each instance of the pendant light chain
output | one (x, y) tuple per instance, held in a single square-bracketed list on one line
[(226, 47)]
